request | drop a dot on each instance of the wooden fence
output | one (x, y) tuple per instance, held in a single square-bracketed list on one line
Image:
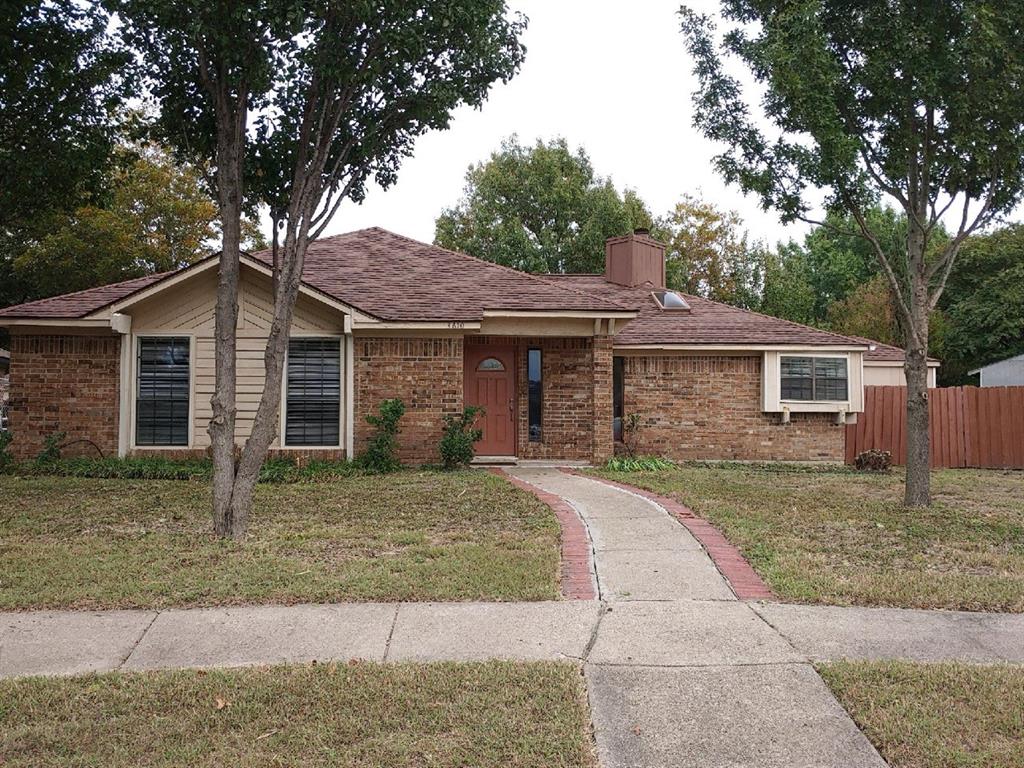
[(970, 426)]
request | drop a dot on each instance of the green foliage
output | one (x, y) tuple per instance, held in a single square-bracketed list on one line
[(63, 82), (983, 308), (51, 448), (159, 468), (6, 460), (708, 255), (539, 209), (381, 455), (459, 436), (638, 464)]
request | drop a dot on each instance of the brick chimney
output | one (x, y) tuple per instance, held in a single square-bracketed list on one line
[(635, 260)]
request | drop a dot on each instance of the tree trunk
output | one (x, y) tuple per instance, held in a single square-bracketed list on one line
[(230, 143), (917, 491), (265, 424)]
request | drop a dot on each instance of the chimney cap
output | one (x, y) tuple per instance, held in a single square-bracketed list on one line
[(642, 231)]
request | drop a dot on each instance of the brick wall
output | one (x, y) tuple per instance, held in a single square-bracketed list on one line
[(709, 407), (64, 384), (426, 373)]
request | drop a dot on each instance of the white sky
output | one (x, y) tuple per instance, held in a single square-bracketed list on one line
[(611, 76)]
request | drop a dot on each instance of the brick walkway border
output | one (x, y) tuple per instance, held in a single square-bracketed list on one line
[(742, 578), (577, 553)]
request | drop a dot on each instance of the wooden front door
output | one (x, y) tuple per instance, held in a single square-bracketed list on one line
[(491, 384)]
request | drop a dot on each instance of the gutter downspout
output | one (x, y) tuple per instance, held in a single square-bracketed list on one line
[(122, 324), (350, 379)]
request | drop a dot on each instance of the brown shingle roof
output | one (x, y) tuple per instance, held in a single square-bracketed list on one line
[(396, 278), (384, 275), (80, 303), (885, 353), (708, 322)]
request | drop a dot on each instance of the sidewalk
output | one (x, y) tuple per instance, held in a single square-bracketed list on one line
[(679, 671)]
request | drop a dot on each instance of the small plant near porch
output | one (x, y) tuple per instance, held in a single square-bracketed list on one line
[(460, 432)]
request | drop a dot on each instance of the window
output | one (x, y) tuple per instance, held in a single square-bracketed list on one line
[(313, 395), (162, 391), (814, 378), (535, 388), (491, 364), (618, 395)]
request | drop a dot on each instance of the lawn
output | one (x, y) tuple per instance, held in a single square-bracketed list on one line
[(935, 715), (366, 715), (415, 535), (840, 537)]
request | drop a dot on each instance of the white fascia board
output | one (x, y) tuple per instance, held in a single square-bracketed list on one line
[(60, 322), (386, 325)]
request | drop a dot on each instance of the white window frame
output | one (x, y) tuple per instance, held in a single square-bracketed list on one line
[(771, 383), (134, 378), (343, 360)]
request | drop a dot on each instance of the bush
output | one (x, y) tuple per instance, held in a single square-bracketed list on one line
[(6, 459), (873, 461), (280, 470), (459, 436), (638, 464), (382, 453), (51, 448)]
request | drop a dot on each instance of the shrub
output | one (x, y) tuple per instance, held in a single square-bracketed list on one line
[(459, 436), (381, 455), (638, 464), (51, 448), (6, 459), (873, 461)]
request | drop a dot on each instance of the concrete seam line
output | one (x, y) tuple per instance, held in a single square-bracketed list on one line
[(604, 609), (391, 632), (779, 632), (145, 631)]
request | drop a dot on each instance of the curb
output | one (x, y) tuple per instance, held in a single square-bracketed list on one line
[(577, 565), (740, 575)]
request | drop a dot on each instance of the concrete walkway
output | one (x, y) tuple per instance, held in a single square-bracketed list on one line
[(680, 673)]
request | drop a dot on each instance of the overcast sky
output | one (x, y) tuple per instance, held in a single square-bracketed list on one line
[(610, 76)]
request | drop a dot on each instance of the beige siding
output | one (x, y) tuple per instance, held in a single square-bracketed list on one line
[(188, 308), (891, 375)]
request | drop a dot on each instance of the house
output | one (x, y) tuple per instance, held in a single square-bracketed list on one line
[(1004, 373), (883, 365), (554, 360)]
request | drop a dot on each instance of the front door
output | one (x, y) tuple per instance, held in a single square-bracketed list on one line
[(491, 384)]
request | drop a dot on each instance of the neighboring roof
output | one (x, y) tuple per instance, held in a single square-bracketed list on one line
[(885, 353), (80, 303), (385, 275), (1012, 359), (707, 322)]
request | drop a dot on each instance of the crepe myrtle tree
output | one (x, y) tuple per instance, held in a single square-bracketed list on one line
[(297, 104), (919, 103)]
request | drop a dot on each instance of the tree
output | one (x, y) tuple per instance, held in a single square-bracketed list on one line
[(866, 311), (983, 307), (337, 93), (158, 217), (62, 86), (787, 291), (917, 102), (539, 209), (707, 253)]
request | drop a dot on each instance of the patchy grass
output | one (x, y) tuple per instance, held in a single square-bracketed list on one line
[(935, 715), (89, 544), (365, 715), (840, 537)]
